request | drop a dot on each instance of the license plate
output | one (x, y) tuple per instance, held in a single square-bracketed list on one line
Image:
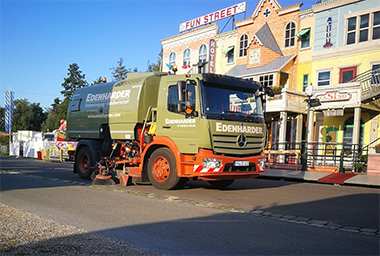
[(241, 163)]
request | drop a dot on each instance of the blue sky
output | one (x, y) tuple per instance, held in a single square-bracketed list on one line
[(40, 39)]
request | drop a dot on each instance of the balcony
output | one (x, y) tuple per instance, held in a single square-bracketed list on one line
[(289, 101)]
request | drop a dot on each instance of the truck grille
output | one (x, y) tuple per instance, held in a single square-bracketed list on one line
[(227, 144)]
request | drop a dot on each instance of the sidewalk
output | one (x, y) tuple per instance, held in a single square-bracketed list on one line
[(323, 177)]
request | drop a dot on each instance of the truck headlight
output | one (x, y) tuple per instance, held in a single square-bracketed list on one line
[(211, 163)]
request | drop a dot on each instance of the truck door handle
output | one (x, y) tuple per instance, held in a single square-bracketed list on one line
[(166, 127)]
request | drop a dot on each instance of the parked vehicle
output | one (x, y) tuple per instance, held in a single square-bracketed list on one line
[(165, 129)]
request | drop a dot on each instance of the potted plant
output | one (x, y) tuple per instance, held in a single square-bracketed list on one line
[(277, 89), (359, 167), (377, 148)]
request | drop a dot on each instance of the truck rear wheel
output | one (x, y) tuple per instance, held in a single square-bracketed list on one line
[(84, 162), (221, 183), (162, 169)]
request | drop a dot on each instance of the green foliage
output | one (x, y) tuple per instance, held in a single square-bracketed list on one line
[(55, 115), (74, 81), (2, 119), (120, 72), (4, 139), (99, 80), (27, 116), (155, 67)]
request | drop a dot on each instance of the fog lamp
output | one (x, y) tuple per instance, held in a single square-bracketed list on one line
[(261, 164)]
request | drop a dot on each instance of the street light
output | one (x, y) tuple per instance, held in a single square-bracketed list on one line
[(310, 91)]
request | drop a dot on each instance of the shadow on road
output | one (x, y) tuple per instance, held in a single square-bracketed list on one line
[(217, 234)]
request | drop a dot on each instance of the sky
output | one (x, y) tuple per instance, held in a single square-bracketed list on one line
[(40, 39)]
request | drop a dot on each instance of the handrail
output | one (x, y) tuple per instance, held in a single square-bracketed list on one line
[(367, 146)]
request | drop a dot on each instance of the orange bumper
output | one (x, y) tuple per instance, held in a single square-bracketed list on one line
[(192, 166)]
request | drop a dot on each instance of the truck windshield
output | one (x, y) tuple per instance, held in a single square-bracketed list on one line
[(234, 104)]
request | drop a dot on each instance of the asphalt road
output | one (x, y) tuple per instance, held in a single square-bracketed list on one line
[(140, 215)]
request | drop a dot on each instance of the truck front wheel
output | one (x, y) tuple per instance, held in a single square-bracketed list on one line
[(162, 169), (84, 162)]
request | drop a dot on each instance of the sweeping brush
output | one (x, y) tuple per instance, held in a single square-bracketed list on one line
[(103, 180)]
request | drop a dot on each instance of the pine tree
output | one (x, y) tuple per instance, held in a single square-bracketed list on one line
[(74, 81)]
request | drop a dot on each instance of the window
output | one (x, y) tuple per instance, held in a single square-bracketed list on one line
[(363, 34), (323, 78), (304, 37), (375, 79), (363, 28), (172, 58), (186, 58), (290, 32), (376, 26), (243, 45), (174, 105), (266, 81), (203, 58), (230, 55), (347, 74), (305, 81)]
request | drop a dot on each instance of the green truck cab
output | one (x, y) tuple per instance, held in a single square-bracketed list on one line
[(165, 129)]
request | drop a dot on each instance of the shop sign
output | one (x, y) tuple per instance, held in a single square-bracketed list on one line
[(211, 60), (212, 17), (333, 96)]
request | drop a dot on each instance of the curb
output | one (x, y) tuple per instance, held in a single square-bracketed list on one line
[(327, 178)]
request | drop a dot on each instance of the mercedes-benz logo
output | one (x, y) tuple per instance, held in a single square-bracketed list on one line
[(242, 140)]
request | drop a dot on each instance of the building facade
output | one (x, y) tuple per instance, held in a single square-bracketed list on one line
[(344, 51), (334, 47)]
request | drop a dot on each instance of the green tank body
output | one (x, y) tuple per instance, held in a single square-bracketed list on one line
[(121, 105)]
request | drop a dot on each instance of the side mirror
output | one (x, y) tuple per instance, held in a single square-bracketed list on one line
[(181, 90)]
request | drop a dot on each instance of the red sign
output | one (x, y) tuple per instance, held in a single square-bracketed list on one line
[(218, 15), (333, 96)]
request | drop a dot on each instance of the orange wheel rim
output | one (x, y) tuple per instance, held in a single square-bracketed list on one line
[(84, 164), (161, 169)]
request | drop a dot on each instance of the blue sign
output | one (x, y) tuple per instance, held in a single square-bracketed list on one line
[(9, 97), (328, 33)]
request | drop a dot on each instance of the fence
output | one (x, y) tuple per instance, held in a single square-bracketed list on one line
[(294, 155)]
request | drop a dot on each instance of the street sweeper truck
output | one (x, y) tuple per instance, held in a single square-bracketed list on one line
[(166, 129)]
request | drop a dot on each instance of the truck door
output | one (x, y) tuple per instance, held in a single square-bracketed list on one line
[(180, 120)]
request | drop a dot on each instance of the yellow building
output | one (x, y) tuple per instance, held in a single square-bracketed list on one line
[(343, 65)]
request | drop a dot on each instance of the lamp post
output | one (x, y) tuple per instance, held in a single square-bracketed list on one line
[(310, 91)]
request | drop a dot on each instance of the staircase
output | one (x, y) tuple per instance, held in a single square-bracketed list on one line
[(370, 83)]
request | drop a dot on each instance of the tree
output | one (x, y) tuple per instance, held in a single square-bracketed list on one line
[(56, 113), (155, 67), (27, 116), (99, 80), (120, 72), (74, 81), (2, 119)]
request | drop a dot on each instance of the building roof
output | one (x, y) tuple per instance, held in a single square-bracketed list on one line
[(274, 66), (266, 38)]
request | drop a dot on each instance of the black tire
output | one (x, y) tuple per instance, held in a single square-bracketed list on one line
[(84, 163), (221, 183), (162, 169)]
